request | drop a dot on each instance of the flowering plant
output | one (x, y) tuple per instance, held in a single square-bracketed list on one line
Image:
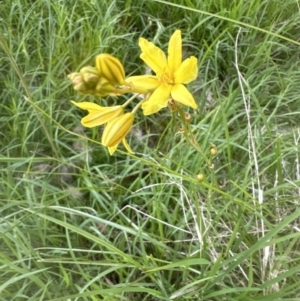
[(165, 88)]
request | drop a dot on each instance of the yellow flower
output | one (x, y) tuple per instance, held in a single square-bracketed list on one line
[(98, 115), (171, 74), (116, 131)]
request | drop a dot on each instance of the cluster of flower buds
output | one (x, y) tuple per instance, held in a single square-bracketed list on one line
[(107, 78), (102, 80)]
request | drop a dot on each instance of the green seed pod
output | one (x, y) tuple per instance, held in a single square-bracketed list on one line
[(213, 151), (188, 117), (172, 105), (200, 177)]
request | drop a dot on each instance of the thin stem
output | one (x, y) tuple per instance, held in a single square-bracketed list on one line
[(140, 103), (192, 141), (130, 100), (189, 136)]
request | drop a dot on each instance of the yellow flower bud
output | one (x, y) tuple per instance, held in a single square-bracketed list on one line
[(85, 80), (81, 87), (77, 81), (75, 76), (116, 130), (91, 76), (104, 87), (98, 115), (111, 68)]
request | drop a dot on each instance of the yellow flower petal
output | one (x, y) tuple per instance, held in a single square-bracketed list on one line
[(89, 106), (187, 71), (181, 94), (153, 56), (147, 82), (112, 149), (127, 146), (158, 100), (102, 116), (175, 51)]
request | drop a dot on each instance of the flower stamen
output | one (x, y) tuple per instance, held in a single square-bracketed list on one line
[(165, 79)]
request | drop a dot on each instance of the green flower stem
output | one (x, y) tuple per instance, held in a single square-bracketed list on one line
[(130, 100), (192, 141), (189, 136), (139, 104)]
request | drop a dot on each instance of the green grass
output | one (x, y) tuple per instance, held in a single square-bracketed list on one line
[(77, 224)]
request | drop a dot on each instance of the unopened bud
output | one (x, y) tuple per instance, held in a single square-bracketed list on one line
[(104, 87), (85, 80), (172, 105), (188, 117), (75, 76), (213, 151), (81, 87), (111, 68), (77, 81), (116, 129), (200, 177), (91, 76)]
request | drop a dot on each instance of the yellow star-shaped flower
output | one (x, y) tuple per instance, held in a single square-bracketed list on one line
[(171, 75)]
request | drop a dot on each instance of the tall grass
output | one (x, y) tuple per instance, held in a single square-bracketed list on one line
[(77, 224)]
